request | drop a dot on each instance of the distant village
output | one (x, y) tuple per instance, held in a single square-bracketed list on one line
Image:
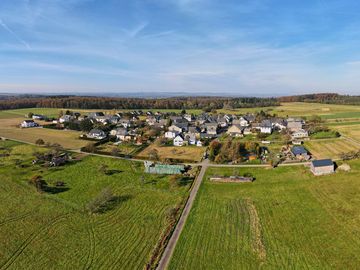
[(185, 129)]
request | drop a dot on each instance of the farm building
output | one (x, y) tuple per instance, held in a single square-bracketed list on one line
[(300, 153), (28, 124), (151, 167), (322, 167)]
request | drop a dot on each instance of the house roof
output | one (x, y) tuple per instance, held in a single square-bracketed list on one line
[(322, 163), (298, 150)]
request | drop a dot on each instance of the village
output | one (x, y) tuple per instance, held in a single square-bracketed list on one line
[(258, 138)]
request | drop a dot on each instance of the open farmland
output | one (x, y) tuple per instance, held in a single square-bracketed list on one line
[(188, 153), (352, 131), (330, 148), (326, 111), (286, 219), (67, 138), (55, 231)]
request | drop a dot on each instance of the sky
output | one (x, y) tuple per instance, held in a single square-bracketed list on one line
[(239, 47)]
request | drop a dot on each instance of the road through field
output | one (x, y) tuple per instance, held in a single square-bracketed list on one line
[(169, 250)]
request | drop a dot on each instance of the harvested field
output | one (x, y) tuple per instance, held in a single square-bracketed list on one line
[(189, 153), (331, 148)]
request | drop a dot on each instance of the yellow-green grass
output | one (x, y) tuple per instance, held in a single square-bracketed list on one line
[(352, 131), (55, 231), (326, 111), (188, 153), (286, 219), (9, 128), (123, 148), (330, 148)]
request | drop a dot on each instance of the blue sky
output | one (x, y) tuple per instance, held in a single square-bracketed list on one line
[(252, 47)]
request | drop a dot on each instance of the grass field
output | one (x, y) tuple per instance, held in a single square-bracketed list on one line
[(54, 231), (286, 219), (188, 153), (330, 148), (352, 131), (123, 148), (69, 139), (326, 111)]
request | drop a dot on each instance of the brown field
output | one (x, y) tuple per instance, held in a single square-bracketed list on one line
[(331, 148), (191, 153), (9, 128)]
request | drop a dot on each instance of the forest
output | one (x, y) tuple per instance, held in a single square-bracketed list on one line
[(86, 102)]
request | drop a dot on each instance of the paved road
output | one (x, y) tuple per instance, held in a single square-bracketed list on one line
[(169, 250)]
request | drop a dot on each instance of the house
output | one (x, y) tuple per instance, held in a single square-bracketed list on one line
[(94, 115), (121, 134), (96, 134), (189, 117), (175, 128), (191, 139), (235, 131), (300, 134), (222, 122), (28, 124), (241, 122), (322, 167), (179, 140), (194, 131), (171, 134), (250, 118), (295, 124), (126, 123), (266, 127), (66, 118), (199, 144), (211, 128), (300, 153), (247, 131), (279, 123), (38, 117)]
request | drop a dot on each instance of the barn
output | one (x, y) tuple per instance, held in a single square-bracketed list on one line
[(322, 167)]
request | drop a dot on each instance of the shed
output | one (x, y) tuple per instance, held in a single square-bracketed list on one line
[(322, 167)]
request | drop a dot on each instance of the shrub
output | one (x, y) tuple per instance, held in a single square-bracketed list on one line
[(40, 142)]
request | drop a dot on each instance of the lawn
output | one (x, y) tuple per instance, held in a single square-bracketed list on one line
[(330, 148), (124, 148), (187, 153), (286, 219), (55, 231)]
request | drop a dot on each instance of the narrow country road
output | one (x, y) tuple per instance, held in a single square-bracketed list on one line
[(169, 250)]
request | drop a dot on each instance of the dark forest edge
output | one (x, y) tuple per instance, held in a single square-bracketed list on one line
[(204, 103)]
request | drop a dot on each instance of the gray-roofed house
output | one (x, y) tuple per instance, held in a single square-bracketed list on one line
[(96, 134), (300, 153), (322, 167)]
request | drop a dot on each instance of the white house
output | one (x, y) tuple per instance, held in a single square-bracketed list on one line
[(28, 124), (65, 118), (175, 128), (301, 133), (179, 141), (38, 117), (96, 134), (241, 122), (171, 134)]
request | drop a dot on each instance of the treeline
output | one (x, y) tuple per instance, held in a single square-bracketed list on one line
[(80, 102), (328, 98)]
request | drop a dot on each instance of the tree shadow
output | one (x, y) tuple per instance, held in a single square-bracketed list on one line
[(111, 172), (184, 181), (114, 202)]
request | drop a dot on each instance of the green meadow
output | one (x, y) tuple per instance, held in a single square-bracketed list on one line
[(56, 231), (286, 219)]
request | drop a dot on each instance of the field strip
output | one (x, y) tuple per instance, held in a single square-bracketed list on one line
[(15, 218), (255, 227), (170, 247)]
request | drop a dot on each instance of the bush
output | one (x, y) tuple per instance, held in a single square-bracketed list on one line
[(102, 202), (40, 142)]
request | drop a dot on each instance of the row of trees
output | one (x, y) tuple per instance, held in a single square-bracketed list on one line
[(329, 98), (79, 102)]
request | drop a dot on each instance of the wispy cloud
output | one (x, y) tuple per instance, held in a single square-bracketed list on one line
[(19, 39)]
